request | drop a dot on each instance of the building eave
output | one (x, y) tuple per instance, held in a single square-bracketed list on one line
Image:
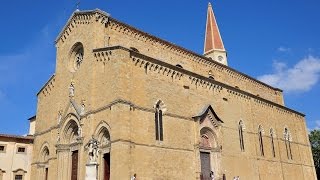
[(156, 61), (52, 76), (32, 118), (159, 40), (16, 138), (193, 53)]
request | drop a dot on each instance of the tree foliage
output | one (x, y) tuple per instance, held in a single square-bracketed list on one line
[(314, 138)]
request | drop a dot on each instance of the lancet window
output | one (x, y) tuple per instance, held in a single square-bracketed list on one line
[(287, 140), (272, 134), (241, 128), (159, 121), (260, 134)]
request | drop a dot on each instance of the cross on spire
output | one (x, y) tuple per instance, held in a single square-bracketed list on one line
[(78, 4)]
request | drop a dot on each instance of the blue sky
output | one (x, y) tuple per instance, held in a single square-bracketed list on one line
[(275, 41)]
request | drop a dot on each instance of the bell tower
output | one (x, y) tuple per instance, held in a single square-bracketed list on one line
[(213, 45)]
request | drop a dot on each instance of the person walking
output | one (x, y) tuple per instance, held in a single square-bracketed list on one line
[(212, 175), (134, 177)]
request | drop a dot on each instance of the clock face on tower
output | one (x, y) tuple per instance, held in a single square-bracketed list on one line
[(220, 58)]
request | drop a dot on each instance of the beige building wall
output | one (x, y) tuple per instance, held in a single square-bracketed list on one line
[(116, 89), (12, 162)]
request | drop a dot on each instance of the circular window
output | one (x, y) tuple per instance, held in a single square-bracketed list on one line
[(77, 57)]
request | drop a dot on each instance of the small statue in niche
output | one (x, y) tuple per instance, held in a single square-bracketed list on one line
[(82, 108), (71, 90), (59, 116), (92, 147), (79, 133), (105, 141)]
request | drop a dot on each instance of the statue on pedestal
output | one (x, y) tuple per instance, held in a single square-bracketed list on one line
[(93, 151), (92, 166)]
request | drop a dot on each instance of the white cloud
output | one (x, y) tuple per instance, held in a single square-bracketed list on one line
[(315, 127), (299, 78), (284, 49), (317, 124)]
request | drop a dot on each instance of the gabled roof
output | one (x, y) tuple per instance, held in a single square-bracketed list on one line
[(204, 113), (76, 13)]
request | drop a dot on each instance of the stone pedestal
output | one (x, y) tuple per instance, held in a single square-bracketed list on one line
[(91, 171)]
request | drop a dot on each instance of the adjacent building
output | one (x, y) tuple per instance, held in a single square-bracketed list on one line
[(16, 155)]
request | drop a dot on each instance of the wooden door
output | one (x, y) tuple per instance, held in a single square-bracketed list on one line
[(74, 166), (46, 174), (205, 165), (106, 159)]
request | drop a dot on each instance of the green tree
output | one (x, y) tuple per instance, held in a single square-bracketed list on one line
[(314, 138)]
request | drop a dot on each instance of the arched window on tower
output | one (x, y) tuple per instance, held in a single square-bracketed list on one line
[(272, 135), (287, 140), (158, 122), (241, 128), (260, 134)]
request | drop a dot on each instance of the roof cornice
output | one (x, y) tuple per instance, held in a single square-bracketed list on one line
[(153, 60), (17, 138), (75, 13), (202, 57), (52, 76), (193, 53)]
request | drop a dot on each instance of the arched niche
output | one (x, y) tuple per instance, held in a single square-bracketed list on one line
[(44, 153), (102, 134), (208, 139), (71, 131)]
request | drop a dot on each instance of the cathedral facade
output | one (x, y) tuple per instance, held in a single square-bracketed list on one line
[(130, 103)]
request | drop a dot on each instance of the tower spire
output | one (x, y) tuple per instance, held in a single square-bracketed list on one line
[(213, 44)]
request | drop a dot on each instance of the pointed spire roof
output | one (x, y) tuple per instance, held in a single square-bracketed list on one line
[(213, 39)]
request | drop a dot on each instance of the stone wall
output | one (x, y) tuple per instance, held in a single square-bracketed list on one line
[(119, 87)]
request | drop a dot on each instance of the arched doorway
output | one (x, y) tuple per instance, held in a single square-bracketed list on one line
[(69, 148), (210, 140), (103, 137), (208, 148)]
